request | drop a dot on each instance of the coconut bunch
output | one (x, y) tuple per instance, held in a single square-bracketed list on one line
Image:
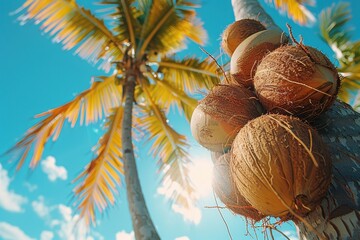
[(274, 162)]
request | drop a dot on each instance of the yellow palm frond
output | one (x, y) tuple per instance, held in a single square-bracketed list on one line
[(125, 16), (101, 177), (168, 96), (190, 74), (296, 10), (73, 26), (167, 23), (170, 148), (89, 105)]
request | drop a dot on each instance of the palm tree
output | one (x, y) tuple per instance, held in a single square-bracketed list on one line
[(337, 35), (338, 216), (138, 43)]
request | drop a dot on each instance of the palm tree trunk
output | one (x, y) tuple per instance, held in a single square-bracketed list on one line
[(338, 216), (143, 226)]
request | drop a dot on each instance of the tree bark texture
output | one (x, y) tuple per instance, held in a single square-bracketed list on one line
[(143, 226), (338, 216)]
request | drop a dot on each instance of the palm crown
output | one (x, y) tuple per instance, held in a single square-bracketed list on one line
[(136, 36)]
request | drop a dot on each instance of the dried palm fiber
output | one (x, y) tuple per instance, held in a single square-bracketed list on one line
[(237, 32), (281, 166), (251, 51), (225, 189), (296, 80), (221, 114)]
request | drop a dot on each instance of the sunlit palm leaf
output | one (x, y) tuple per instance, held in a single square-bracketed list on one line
[(125, 16), (190, 74), (296, 10), (168, 96), (101, 177), (337, 35), (73, 26), (89, 105), (167, 23), (170, 148)]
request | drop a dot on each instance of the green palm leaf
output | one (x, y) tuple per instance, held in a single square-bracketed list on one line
[(190, 74), (167, 23), (89, 105), (170, 148), (72, 26), (337, 35), (101, 177)]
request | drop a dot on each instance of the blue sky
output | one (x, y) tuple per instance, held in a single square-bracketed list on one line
[(36, 75)]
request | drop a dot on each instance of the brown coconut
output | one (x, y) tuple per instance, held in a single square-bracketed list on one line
[(251, 51), (225, 189), (298, 81), (237, 32), (221, 114), (281, 166)]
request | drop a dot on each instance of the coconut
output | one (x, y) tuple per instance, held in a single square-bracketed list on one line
[(296, 80), (225, 189), (237, 32), (221, 114), (251, 51), (281, 166)]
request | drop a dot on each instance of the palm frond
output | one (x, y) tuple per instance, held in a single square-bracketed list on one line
[(296, 10), (101, 177), (333, 28), (125, 16), (72, 26), (168, 96), (167, 23), (170, 147), (89, 105), (190, 74)]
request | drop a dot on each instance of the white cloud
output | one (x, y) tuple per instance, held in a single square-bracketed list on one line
[(46, 235), (192, 214), (291, 235), (30, 187), (11, 232), (53, 172), (125, 236), (9, 200), (182, 238), (40, 207)]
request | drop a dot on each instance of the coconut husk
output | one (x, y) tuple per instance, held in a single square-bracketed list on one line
[(221, 114), (237, 32), (225, 189), (296, 80), (281, 166)]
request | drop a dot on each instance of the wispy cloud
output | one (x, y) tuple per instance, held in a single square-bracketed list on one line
[(11, 232), (46, 235), (191, 214), (53, 171), (9, 200), (40, 207), (182, 238), (125, 236), (291, 235), (30, 187)]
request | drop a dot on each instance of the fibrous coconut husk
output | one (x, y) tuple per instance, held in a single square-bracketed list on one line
[(221, 114), (237, 32), (225, 189), (251, 51), (296, 80), (281, 166)]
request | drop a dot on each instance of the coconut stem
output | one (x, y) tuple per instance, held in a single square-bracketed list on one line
[(221, 68)]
